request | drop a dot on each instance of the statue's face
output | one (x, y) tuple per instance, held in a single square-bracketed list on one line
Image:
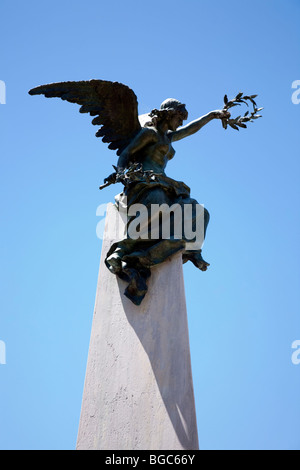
[(175, 121)]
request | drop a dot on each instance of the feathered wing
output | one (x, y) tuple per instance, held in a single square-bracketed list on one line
[(114, 105)]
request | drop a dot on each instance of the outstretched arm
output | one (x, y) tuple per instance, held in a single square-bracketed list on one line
[(196, 125)]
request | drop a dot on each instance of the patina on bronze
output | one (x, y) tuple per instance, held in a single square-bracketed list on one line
[(144, 146)]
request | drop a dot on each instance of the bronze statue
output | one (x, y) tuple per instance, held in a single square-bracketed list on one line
[(144, 146)]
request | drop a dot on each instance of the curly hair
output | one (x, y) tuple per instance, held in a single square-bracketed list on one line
[(159, 115)]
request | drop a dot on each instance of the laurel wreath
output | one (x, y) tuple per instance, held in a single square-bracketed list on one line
[(240, 121)]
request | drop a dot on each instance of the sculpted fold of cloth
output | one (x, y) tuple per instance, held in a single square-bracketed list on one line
[(146, 143), (131, 259)]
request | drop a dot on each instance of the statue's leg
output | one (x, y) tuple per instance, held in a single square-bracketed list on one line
[(154, 254), (136, 266), (131, 261), (196, 256)]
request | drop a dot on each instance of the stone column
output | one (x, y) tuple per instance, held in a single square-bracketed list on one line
[(138, 392)]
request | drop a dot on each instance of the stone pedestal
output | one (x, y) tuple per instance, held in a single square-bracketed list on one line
[(138, 392)]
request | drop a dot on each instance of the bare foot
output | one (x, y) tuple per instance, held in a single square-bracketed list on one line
[(197, 260)]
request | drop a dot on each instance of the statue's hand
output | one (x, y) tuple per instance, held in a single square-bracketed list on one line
[(111, 179), (222, 114)]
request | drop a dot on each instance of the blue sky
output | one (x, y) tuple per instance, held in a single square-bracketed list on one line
[(244, 311)]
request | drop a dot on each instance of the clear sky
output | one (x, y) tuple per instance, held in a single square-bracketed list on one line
[(244, 311)]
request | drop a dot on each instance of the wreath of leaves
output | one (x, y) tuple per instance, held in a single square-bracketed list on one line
[(131, 174), (239, 121)]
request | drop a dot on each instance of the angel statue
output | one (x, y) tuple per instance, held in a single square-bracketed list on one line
[(144, 145)]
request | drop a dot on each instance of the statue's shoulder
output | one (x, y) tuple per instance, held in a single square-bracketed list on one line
[(149, 133)]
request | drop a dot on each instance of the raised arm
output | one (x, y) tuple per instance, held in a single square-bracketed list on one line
[(196, 125)]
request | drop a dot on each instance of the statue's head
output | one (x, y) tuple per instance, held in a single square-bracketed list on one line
[(173, 106), (171, 110), (177, 112)]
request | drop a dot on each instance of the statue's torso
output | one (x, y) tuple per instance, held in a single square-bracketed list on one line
[(156, 156)]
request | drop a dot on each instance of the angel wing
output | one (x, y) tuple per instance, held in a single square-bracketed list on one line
[(114, 105)]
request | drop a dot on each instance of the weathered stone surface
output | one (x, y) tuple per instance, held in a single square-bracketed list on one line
[(138, 391)]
